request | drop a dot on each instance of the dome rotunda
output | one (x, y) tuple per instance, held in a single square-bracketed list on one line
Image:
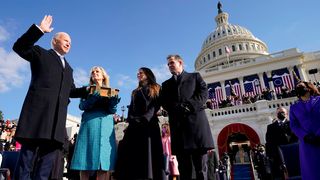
[(228, 43)]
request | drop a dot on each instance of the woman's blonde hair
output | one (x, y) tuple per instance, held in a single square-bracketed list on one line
[(105, 81)]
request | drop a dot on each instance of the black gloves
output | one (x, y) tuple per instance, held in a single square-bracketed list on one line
[(112, 104), (312, 139), (88, 103), (114, 100)]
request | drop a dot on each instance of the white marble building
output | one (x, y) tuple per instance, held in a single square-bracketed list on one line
[(230, 55)]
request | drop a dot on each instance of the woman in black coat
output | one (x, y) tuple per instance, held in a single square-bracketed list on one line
[(140, 154)]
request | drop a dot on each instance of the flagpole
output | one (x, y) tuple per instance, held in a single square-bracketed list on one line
[(228, 60)]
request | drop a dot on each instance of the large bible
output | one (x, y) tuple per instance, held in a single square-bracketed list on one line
[(104, 91)]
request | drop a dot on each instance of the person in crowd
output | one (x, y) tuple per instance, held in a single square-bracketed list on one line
[(166, 146), (278, 133), (140, 154), (95, 148), (71, 174), (304, 122), (213, 165), (43, 116), (183, 96)]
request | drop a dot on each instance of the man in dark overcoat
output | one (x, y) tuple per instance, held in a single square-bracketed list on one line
[(278, 133), (184, 96), (41, 126)]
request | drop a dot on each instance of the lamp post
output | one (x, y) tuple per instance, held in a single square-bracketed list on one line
[(123, 109)]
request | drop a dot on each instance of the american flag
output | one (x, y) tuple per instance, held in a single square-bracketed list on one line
[(215, 103), (235, 88), (211, 93), (252, 88), (286, 78), (280, 81), (218, 94)]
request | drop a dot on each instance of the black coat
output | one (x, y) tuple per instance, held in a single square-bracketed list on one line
[(44, 111), (189, 130), (140, 154), (278, 135)]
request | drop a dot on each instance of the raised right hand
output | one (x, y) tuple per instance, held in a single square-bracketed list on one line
[(45, 24)]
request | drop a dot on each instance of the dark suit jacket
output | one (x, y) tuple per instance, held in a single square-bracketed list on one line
[(278, 135), (44, 111), (191, 130)]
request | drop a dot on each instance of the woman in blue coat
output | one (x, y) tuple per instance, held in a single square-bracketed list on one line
[(305, 123), (95, 148)]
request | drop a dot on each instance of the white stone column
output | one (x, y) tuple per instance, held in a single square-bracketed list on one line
[(241, 85), (290, 68), (262, 84), (302, 72), (271, 83), (224, 95)]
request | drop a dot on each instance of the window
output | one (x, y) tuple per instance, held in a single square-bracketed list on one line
[(240, 47), (233, 48), (214, 54), (247, 46), (220, 51), (208, 56)]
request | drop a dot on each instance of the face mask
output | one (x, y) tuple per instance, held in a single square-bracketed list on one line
[(301, 91), (281, 115)]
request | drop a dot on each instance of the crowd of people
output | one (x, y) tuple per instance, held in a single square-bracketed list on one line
[(248, 98), (180, 148), (7, 132)]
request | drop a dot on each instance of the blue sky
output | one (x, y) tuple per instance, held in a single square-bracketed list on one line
[(122, 36)]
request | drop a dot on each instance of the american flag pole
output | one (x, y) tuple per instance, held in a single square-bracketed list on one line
[(228, 60)]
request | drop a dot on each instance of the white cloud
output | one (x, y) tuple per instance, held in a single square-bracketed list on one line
[(81, 77), (126, 81), (13, 70), (4, 34), (162, 73)]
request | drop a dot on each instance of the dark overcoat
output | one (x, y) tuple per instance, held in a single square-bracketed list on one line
[(278, 134), (44, 111), (189, 130), (140, 154)]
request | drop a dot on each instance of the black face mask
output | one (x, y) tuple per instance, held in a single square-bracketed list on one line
[(301, 91), (281, 115)]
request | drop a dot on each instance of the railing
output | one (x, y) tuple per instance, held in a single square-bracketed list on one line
[(259, 59), (246, 109)]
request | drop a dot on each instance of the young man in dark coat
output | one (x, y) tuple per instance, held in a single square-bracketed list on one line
[(43, 116), (184, 96)]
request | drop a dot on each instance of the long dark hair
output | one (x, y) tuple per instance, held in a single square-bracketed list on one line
[(151, 82)]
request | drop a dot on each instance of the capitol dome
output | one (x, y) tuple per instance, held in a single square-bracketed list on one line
[(228, 43)]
